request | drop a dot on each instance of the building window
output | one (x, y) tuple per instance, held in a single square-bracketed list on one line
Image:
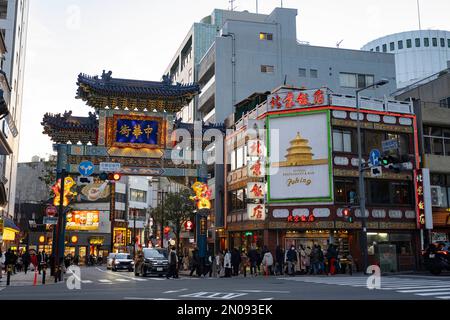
[(342, 141), (392, 46), (437, 140), (400, 44), (426, 42), (434, 40), (448, 43), (120, 197), (302, 72), (3, 9), (345, 191), (313, 73), (444, 103), (384, 47), (352, 80), (417, 42), (442, 42), (267, 69), (138, 195), (377, 49), (237, 200), (265, 36), (408, 43), (389, 192)]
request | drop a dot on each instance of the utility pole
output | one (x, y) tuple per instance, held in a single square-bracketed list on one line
[(418, 14), (162, 217), (362, 191)]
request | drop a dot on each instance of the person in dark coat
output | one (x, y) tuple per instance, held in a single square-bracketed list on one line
[(235, 261), (279, 257), (291, 257), (253, 256), (42, 261), (195, 263), (26, 260)]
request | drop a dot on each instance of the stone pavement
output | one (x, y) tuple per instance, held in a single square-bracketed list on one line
[(22, 279)]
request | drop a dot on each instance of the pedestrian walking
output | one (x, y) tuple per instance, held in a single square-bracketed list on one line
[(42, 261), (331, 258), (26, 259), (244, 263), (315, 259), (219, 264), (267, 261), (291, 257), (302, 256), (253, 257), (227, 263), (308, 259), (173, 262), (195, 266), (279, 258), (235, 261), (208, 264)]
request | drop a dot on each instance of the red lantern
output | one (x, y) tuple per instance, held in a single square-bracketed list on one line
[(166, 230)]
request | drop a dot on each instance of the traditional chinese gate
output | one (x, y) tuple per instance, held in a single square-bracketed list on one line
[(132, 125)]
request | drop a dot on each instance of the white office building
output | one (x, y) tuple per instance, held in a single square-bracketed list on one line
[(418, 54), (13, 26)]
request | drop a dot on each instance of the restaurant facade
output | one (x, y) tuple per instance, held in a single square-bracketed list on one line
[(292, 168)]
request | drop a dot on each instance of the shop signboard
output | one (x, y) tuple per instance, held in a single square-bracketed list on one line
[(300, 168), (83, 220), (256, 211), (256, 190), (50, 220), (423, 198), (138, 132), (297, 99), (256, 148), (256, 168), (94, 192), (109, 166)]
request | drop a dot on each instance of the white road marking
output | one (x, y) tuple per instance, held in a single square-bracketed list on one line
[(432, 293), (263, 291), (140, 298), (213, 295), (424, 290), (122, 280), (86, 281), (266, 299), (105, 281), (120, 275), (174, 291), (446, 297)]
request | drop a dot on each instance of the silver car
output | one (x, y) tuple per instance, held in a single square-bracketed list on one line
[(122, 261), (109, 260)]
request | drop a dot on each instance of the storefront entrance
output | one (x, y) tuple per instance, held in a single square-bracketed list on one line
[(323, 238)]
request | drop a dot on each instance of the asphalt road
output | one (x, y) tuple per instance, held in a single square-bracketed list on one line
[(101, 284)]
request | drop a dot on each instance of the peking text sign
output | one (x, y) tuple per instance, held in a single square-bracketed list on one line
[(300, 168), (297, 99)]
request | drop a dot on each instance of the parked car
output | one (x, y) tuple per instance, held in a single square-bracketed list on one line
[(109, 260), (122, 261), (152, 261), (437, 257)]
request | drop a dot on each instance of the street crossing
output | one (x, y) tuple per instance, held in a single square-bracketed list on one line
[(438, 289)]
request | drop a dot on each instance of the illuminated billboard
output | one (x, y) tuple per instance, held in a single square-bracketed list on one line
[(83, 220)]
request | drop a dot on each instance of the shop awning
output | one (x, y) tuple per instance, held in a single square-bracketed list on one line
[(9, 224)]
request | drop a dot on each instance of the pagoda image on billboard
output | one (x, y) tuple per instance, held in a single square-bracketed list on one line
[(299, 153)]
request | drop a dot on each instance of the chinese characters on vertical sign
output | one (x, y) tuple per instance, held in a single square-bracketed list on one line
[(295, 99), (420, 199), (256, 150)]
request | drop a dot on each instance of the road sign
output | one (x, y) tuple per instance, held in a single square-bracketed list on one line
[(51, 211), (85, 180), (50, 220), (109, 166), (376, 171), (374, 157), (86, 168), (391, 144)]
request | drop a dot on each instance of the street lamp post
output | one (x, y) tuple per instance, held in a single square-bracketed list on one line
[(162, 192), (362, 191)]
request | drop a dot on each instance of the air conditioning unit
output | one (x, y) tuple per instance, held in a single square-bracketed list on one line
[(436, 196)]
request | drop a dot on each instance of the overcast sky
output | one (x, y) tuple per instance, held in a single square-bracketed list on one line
[(138, 38)]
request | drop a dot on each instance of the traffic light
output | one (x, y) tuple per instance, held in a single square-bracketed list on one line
[(347, 214), (114, 176), (392, 162), (103, 176)]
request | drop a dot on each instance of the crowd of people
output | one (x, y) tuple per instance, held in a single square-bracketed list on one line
[(292, 261), (22, 261)]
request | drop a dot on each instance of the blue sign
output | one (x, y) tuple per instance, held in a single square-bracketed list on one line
[(374, 157), (131, 131), (86, 168)]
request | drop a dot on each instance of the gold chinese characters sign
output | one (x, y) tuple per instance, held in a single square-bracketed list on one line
[(131, 131)]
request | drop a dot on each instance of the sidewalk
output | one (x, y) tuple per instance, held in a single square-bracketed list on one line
[(21, 279)]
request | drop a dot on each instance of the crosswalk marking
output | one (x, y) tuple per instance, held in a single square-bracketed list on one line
[(105, 281), (86, 281), (213, 295), (433, 288), (122, 280)]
